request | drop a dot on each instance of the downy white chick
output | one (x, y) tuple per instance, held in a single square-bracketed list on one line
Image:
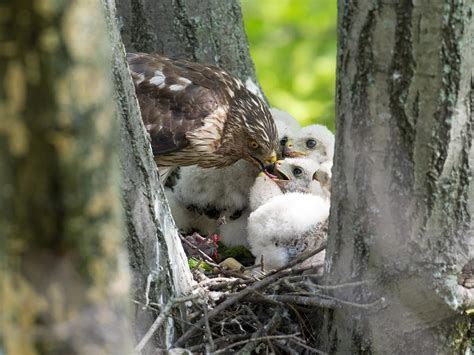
[(234, 232), (209, 195), (322, 181), (188, 219), (315, 142), (293, 175), (203, 197), (285, 226), (287, 126)]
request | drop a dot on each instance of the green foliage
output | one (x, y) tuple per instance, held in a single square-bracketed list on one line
[(293, 45)]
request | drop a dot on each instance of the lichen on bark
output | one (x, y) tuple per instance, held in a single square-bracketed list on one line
[(64, 274), (399, 210)]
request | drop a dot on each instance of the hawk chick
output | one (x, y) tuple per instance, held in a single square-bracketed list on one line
[(292, 175), (315, 142), (285, 226)]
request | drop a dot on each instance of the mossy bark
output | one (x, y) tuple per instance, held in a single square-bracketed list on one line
[(204, 31), (210, 31), (157, 260), (402, 183), (64, 279)]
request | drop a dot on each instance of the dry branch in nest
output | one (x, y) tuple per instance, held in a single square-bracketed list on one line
[(241, 313)]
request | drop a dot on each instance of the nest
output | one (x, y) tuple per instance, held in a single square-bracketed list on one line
[(247, 311), (256, 312)]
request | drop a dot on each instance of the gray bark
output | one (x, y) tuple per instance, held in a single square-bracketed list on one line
[(204, 31), (63, 273), (210, 31), (402, 190), (158, 263)]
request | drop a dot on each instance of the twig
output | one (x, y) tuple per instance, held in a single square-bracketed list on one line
[(307, 347), (347, 284), (302, 257), (305, 301), (216, 280), (232, 300), (161, 318), (324, 301), (274, 321), (286, 349), (224, 339), (208, 328), (268, 337), (353, 304)]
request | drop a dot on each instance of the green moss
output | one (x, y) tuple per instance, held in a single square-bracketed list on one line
[(239, 253), (462, 337)]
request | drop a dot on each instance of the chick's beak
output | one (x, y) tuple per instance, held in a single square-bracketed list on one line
[(289, 152), (280, 177)]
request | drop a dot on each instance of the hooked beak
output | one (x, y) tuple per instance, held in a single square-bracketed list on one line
[(266, 165), (288, 151)]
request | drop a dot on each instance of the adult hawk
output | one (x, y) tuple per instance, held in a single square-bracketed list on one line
[(200, 114)]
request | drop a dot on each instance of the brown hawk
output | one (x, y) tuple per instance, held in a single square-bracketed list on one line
[(200, 114)]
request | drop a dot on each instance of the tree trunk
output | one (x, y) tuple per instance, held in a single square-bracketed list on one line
[(186, 29), (210, 31), (64, 280), (157, 260), (402, 191)]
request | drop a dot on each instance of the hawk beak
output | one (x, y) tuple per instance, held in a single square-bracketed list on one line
[(267, 165), (288, 151), (272, 159), (263, 164)]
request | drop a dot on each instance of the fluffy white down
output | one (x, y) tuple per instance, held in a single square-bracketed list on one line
[(286, 124), (187, 220), (263, 190), (283, 219), (234, 232), (225, 188), (320, 133)]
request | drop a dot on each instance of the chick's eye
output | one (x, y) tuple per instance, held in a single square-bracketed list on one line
[(297, 171), (284, 140), (253, 144), (311, 143)]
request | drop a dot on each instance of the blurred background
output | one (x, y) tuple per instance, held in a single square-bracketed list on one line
[(293, 45)]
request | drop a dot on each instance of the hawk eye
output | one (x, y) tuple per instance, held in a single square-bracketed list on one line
[(297, 171), (311, 143), (284, 140), (254, 145)]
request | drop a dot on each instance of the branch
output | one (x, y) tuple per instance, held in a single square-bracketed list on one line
[(268, 337), (161, 318), (234, 299)]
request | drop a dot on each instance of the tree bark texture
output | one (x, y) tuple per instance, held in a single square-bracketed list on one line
[(204, 31), (64, 278), (158, 263), (210, 31), (403, 195)]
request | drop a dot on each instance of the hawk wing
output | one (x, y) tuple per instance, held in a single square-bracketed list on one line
[(175, 96)]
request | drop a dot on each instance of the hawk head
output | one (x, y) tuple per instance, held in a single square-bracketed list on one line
[(250, 132), (199, 114)]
